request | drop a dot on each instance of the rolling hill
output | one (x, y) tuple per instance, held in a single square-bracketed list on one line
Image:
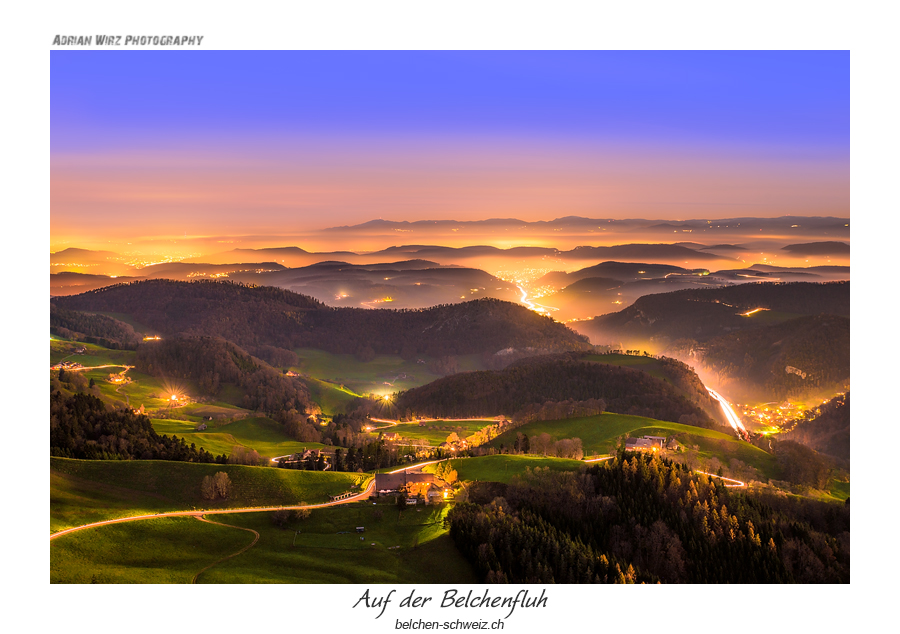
[(702, 314), (551, 378), (255, 316)]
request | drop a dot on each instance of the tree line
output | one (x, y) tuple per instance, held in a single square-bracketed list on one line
[(645, 519), (82, 426)]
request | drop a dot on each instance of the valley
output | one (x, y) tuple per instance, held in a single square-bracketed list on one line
[(297, 407)]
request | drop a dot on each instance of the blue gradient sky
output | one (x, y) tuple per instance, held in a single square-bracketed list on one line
[(293, 138)]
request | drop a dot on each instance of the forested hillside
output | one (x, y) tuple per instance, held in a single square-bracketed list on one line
[(791, 359), (212, 362), (82, 426), (701, 314), (551, 378), (638, 519), (829, 432), (259, 316), (99, 329)]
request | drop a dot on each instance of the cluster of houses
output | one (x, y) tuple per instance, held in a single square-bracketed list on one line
[(308, 454), (66, 365), (415, 486), (650, 444)]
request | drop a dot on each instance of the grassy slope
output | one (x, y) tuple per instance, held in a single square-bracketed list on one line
[(93, 354), (598, 436), (173, 550), (379, 376), (262, 434), (425, 554), (645, 364), (501, 468), (330, 397), (435, 436), (165, 550), (85, 491)]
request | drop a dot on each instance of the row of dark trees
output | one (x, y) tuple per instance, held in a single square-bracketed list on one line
[(638, 518), (543, 444), (375, 454), (82, 426)]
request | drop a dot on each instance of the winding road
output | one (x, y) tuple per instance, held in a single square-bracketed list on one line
[(256, 509)]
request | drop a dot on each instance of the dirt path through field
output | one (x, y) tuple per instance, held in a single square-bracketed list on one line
[(244, 549)]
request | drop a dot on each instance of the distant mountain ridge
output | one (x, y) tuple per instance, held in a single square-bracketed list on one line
[(582, 222)]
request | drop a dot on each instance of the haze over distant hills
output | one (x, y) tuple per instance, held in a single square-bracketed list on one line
[(535, 263)]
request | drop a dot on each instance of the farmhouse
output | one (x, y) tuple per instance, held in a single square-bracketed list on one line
[(638, 444), (646, 443)]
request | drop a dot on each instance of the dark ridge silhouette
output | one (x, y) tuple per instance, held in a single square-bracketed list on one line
[(260, 315)]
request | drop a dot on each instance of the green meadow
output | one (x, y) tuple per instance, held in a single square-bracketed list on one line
[(142, 389), (385, 374), (502, 467), (93, 354), (260, 433), (216, 409), (331, 397), (840, 490), (599, 434), (164, 550), (408, 547), (436, 431), (645, 364), (86, 491)]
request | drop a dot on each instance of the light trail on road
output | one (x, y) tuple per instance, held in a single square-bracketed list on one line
[(713, 475), (538, 308), (730, 414), (195, 513), (83, 368)]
